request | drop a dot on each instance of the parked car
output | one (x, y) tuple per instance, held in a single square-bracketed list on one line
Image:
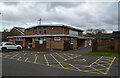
[(5, 46)]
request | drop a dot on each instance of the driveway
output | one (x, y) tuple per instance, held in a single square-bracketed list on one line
[(68, 63)]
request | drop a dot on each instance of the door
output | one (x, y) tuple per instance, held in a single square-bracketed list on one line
[(29, 42)]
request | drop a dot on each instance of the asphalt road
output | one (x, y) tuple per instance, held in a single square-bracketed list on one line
[(58, 64)]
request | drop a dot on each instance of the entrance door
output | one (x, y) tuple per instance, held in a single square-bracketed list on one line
[(29, 42)]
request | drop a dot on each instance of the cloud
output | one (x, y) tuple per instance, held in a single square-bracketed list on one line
[(81, 14)]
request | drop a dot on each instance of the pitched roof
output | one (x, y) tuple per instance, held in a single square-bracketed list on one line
[(20, 29), (56, 25), (116, 34)]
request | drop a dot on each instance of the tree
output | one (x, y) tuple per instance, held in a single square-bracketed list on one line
[(91, 32), (6, 33)]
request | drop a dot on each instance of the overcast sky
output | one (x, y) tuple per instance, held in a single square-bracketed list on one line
[(95, 15)]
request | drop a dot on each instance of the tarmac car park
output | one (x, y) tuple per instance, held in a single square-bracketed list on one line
[(70, 63)]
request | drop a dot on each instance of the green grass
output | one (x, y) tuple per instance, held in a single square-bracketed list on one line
[(103, 53)]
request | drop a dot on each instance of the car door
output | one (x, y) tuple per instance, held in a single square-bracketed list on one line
[(13, 46), (8, 45)]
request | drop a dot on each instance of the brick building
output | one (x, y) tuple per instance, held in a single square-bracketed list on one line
[(19, 31), (52, 37)]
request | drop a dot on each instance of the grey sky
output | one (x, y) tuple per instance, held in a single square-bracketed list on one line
[(96, 15)]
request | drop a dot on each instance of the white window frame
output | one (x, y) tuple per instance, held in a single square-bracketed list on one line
[(44, 39), (11, 39), (18, 39), (55, 38)]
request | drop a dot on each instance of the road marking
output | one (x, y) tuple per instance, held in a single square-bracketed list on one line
[(13, 56), (61, 56), (46, 60), (75, 67), (97, 70), (110, 65), (26, 59), (71, 58), (19, 58), (58, 61), (35, 59), (25, 53), (67, 55), (95, 61), (100, 65)]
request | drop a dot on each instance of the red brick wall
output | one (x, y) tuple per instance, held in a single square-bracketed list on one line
[(54, 30), (66, 31), (74, 43), (50, 30), (29, 31)]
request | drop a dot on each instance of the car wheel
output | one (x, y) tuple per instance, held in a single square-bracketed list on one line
[(19, 49), (4, 49)]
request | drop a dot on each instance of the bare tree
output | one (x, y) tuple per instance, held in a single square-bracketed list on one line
[(91, 32)]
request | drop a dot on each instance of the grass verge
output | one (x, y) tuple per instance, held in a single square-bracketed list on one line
[(103, 53)]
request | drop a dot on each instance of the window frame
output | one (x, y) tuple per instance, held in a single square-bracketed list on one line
[(40, 30), (55, 38), (11, 39), (45, 30), (35, 31), (18, 39)]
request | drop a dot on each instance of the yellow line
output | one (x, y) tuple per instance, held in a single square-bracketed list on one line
[(13, 56), (71, 58), (46, 60), (58, 62), (26, 59), (35, 59), (105, 62), (61, 56), (67, 55), (110, 65), (100, 65), (95, 61), (75, 67), (19, 58), (25, 53), (97, 70)]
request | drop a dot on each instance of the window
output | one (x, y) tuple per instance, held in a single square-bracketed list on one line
[(11, 39), (57, 38), (40, 31), (71, 40), (18, 39), (35, 31), (9, 44), (45, 30), (72, 32), (45, 38), (37, 39)]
